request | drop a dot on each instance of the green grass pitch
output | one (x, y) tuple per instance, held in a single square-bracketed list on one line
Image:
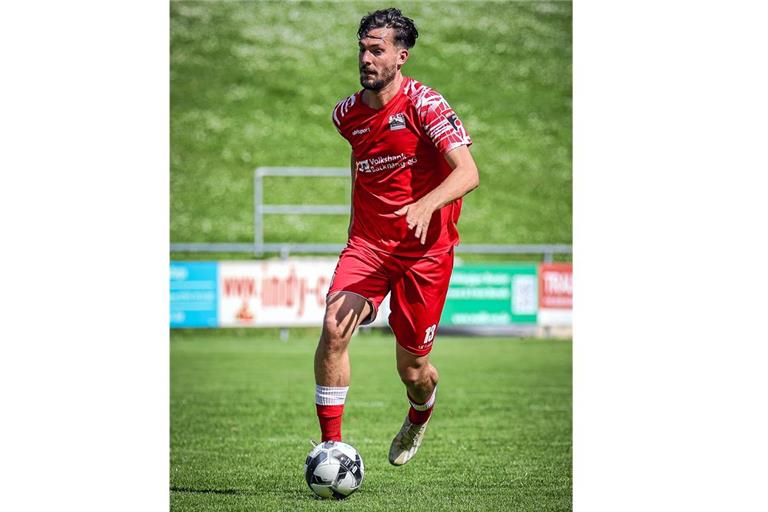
[(242, 414), (253, 84)]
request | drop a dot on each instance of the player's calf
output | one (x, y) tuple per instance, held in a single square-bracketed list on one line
[(420, 379), (342, 316), (421, 386)]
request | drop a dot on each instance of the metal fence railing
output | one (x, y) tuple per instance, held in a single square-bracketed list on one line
[(259, 247)]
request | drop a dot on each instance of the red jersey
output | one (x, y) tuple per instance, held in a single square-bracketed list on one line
[(399, 157)]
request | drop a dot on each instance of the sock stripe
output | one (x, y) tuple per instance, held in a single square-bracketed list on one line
[(425, 406), (325, 395)]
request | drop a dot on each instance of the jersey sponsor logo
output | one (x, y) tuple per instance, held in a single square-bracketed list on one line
[(361, 131), (363, 166), (397, 121), (385, 163)]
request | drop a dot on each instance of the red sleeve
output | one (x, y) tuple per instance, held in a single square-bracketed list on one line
[(340, 111), (336, 120), (441, 124)]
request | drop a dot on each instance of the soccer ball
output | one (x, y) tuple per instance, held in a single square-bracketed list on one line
[(334, 470)]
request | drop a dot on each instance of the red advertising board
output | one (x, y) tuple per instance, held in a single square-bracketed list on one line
[(556, 286)]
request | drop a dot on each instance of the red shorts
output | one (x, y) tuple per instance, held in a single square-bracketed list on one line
[(418, 285)]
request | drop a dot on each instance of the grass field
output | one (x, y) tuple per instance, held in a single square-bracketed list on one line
[(242, 414), (253, 84)]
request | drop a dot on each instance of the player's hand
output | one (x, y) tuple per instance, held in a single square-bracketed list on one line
[(417, 215)]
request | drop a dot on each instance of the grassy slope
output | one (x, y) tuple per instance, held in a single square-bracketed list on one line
[(241, 415), (253, 84)]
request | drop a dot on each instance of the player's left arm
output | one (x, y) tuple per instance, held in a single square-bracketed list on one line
[(463, 179)]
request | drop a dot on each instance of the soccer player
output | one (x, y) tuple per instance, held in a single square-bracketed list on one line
[(411, 166)]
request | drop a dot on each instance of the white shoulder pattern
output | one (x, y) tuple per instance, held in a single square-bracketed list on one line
[(341, 109), (423, 97), (437, 117)]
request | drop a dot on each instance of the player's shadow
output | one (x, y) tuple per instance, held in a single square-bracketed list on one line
[(292, 493), (209, 491)]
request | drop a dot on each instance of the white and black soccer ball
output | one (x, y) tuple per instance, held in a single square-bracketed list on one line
[(334, 470)]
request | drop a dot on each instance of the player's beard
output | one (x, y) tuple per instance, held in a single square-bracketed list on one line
[(379, 81)]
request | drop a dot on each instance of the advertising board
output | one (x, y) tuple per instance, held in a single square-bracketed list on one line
[(491, 296), (291, 293), (273, 293), (556, 294), (193, 297)]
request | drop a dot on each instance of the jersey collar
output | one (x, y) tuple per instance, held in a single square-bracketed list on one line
[(399, 93)]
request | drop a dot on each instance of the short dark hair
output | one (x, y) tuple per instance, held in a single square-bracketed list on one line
[(405, 29)]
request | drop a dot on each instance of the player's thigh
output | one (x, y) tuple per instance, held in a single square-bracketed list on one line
[(362, 272), (417, 302), (344, 311)]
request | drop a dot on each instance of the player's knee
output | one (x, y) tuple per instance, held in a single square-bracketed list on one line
[(411, 375), (418, 375), (342, 316), (333, 337)]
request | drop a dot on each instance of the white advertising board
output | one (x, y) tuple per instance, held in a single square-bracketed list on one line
[(277, 293)]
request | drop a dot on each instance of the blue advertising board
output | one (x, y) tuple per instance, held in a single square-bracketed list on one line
[(194, 294)]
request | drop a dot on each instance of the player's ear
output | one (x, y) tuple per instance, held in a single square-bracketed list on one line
[(402, 56)]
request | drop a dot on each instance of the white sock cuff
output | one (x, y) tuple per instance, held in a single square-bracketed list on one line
[(426, 406), (325, 395)]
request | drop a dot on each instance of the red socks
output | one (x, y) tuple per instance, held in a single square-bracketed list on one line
[(329, 402), (330, 421), (420, 413)]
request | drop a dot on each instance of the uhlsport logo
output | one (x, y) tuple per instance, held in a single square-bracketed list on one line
[(397, 121), (361, 131)]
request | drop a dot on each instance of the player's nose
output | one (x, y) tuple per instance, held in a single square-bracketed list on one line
[(365, 59)]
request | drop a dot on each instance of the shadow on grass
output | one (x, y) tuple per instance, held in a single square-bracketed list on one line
[(288, 493), (209, 491)]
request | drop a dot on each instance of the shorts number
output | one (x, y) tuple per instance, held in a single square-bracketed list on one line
[(429, 334)]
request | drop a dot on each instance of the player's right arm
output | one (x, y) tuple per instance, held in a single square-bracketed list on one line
[(337, 116), (351, 196)]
